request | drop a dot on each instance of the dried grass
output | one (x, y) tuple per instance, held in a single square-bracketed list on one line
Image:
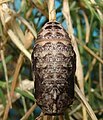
[(11, 34)]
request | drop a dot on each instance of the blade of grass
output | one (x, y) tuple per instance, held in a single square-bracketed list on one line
[(28, 26), (41, 8), (2, 84), (89, 51), (76, 109), (28, 113), (7, 82), (7, 59), (92, 10), (100, 65), (27, 43), (17, 30), (28, 40), (87, 27), (98, 10), (84, 101), (25, 93), (22, 97), (79, 28), (17, 42), (27, 85), (79, 69), (90, 69), (2, 97)]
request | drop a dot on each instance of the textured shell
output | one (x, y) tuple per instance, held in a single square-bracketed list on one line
[(54, 65)]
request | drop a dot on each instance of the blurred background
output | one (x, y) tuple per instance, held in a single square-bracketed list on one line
[(20, 21)]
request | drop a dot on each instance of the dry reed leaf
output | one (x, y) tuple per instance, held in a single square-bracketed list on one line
[(99, 12), (17, 42), (40, 7), (90, 69), (24, 86), (5, 1), (29, 13), (16, 73), (100, 65), (6, 77), (25, 39), (28, 39), (27, 43), (84, 101), (28, 26), (5, 14), (2, 17), (90, 51), (87, 27), (79, 69), (16, 28)]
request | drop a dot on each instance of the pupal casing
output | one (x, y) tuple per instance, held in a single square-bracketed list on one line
[(54, 65)]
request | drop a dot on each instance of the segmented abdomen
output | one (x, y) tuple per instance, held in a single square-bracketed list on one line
[(54, 69)]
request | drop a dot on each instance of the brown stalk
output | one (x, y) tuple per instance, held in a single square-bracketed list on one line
[(52, 12), (6, 77), (53, 117), (28, 113), (98, 10), (28, 38), (84, 101), (18, 43), (45, 117), (79, 69), (27, 24), (100, 65), (16, 29), (90, 69), (61, 117), (90, 51), (40, 117), (87, 28), (40, 8), (101, 49), (29, 13)]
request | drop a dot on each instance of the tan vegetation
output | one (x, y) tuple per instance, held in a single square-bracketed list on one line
[(18, 31)]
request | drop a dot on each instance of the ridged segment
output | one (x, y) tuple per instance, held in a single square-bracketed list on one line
[(54, 65), (53, 30)]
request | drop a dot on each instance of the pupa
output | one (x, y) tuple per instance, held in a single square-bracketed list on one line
[(54, 66)]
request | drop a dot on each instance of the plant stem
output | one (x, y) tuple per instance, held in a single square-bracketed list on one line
[(52, 13), (84, 101), (25, 117), (7, 82), (79, 69)]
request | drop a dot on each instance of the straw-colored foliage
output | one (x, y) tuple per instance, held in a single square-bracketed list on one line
[(83, 20)]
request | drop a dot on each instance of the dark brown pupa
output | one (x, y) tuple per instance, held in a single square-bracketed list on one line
[(54, 65)]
